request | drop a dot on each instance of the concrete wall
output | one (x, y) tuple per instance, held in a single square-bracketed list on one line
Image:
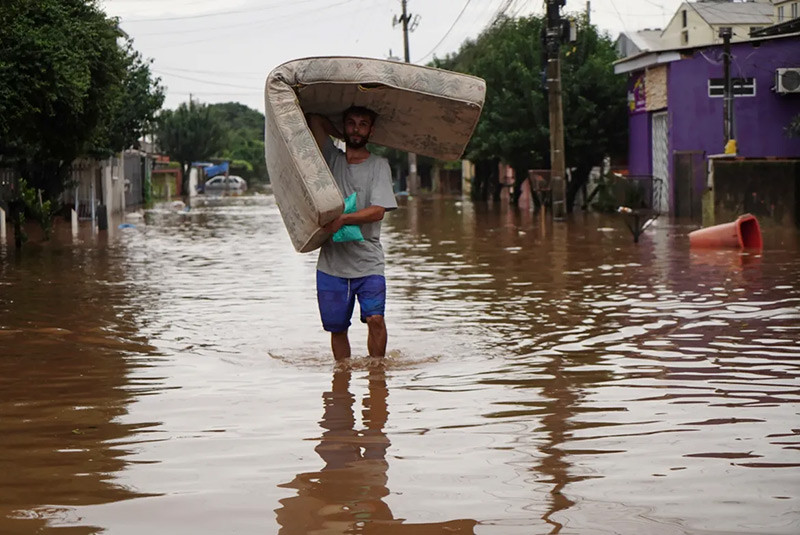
[(768, 189), (113, 179)]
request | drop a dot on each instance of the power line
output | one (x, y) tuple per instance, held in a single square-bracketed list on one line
[(211, 93), (220, 13), (227, 73), (251, 24), (165, 73), (624, 26), (463, 9)]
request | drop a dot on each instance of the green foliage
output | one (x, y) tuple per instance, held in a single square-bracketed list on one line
[(129, 109), (40, 211), (189, 133), (514, 125), (244, 129), (242, 165), (67, 88)]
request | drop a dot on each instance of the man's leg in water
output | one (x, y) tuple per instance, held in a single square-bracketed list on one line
[(371, 293), (336, 302), (376, 336), (340, 344)]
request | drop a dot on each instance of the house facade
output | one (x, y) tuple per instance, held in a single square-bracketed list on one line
[(698, 23), (786, 10), (676, 112)]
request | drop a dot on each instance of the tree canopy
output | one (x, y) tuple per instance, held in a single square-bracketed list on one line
[(70, 86), (190, 133), (244, 140), (514, 126), (228, 131)]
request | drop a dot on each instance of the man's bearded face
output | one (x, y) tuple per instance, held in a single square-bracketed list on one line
[(357, 129)]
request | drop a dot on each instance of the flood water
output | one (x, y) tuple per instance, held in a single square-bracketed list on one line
[(543, 377)]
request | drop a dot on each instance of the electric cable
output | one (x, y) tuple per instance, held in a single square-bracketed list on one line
[(218, 13), (192, 79), (463, 9)]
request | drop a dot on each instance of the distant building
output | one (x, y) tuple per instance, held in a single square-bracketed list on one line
[(786, 10), (787, 19), (632, 43), (676, 111), (698, 23)]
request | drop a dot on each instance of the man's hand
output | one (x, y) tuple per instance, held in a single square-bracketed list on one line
[(361, 217), (321, 127), (334, 225)]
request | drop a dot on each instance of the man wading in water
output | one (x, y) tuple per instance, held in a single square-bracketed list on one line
[(350, 270)]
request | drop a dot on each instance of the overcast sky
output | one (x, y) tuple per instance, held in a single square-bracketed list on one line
[(222, 51)]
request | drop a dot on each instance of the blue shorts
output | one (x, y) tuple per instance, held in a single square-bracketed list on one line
[(336, 297)]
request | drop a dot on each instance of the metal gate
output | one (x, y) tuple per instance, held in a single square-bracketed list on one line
[(660, 139), (689, 176), (134, 179)]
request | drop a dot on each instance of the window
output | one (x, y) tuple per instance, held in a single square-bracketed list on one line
[(742, 87), (794, 10), (685, 37), (683, 18), (780, 14)]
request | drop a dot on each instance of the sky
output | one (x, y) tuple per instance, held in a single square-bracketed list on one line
[(215, 51)]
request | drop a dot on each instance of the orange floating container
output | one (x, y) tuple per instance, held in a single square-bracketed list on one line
[(743, 233)]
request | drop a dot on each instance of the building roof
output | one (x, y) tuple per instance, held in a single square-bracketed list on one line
[(787, 26), (650, 58), (722, 13), (646, 39)]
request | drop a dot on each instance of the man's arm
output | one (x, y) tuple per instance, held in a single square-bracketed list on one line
[(321, 127), (370, 214)]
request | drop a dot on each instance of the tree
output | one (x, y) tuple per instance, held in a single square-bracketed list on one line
[(130, 107), (67, 89), (514, 125), (244, 134), (595, 110), (189, 133)]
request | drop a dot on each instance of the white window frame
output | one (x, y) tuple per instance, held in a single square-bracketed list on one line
[(716, 87)]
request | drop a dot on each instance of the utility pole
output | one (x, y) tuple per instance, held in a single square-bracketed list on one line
[(553, 36), (588, 12), (412, 183), (727, 106)]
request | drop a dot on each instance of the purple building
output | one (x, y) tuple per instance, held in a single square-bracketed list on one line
[(675, 102)]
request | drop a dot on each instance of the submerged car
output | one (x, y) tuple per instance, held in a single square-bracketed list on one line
[(222, 184)]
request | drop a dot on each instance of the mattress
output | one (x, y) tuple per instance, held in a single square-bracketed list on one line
[(420, 109)]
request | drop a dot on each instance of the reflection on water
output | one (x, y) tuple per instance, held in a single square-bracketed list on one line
[(64, 384), (346, 495), (544, 378)]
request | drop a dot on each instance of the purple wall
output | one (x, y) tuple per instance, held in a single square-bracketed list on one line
[(696, 119), (639, 157)]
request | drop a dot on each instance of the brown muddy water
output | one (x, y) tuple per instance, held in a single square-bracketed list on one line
[(543, 378)]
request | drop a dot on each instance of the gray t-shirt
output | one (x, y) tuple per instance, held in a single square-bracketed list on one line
[(371, 180)]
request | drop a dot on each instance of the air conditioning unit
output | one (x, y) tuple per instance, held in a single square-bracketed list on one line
[(787, 80)]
